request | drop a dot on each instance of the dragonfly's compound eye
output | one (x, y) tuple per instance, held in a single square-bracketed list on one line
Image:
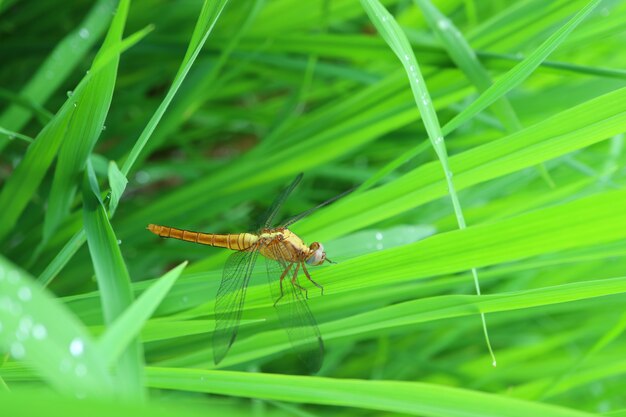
[(318, 256)]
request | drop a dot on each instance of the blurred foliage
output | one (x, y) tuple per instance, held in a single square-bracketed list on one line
[(195, 114)]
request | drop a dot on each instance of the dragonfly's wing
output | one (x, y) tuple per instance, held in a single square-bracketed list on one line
[(229, 301), (295, 315), (277, 204), (313, 209)]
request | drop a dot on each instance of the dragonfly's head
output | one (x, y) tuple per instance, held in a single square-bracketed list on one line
[(317, 256)]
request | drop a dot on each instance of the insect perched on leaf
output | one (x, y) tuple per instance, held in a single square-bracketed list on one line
[(286, 256)]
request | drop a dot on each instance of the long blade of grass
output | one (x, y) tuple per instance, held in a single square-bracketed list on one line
[(415, 398), (570, 130), (393, 35), (465, 58), (113, 282), (493, 93), (128, 325), (521, 71)]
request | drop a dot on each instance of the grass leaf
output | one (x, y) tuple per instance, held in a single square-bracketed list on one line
[(127, 327), (113, 282)]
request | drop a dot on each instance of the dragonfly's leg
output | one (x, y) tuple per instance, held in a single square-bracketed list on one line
[(311, 279), (294, 281), (282, 276)]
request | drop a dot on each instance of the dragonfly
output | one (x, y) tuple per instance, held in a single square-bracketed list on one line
[(286, 256)]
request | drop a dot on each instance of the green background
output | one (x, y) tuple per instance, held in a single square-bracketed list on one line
[(484, 142)]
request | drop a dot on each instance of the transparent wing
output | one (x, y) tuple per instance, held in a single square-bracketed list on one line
[(229, 301), (294, 313), (313, 209), (277, 204)]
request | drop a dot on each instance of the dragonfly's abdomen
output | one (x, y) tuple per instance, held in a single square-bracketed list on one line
[(233, 241)]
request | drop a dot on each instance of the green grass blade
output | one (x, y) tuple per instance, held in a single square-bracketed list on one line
[(415, 398), (62, 258), (521, 71), (465, 58), (39, 330), (33, 402), (113, 282), (393, 35), (573, 129), (128, 325)]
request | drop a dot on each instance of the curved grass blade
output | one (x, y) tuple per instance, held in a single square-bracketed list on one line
[(521, 71), (128, 326), (414, 398), (395, 37), (113, 282)]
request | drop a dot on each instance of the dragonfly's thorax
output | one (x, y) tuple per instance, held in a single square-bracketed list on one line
[(283, 244)]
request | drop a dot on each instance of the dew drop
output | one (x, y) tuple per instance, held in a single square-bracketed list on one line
[(17, 350), (379, 246), (24, 294), (379, 236), (443, 24), (77, 347), (70, 93), (39, 331), (104, 128), (406, 57), (83, 33), (119, 241)]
